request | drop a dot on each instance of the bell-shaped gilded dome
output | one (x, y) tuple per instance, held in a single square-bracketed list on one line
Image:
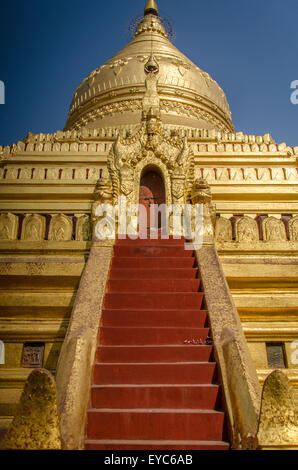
[(112, 95)]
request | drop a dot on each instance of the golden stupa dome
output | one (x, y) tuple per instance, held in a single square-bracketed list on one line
[(112, 95)]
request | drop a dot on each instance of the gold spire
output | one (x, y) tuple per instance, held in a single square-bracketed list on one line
[(151, 8)]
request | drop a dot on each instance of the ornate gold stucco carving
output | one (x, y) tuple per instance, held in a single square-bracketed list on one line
[(103, 194), (201, 194), (8, 226), (36, 423), (60, 228), (278, 424), (33, 227), (151, 146), (192, 111)]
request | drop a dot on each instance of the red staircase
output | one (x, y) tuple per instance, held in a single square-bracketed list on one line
[(154, 381)]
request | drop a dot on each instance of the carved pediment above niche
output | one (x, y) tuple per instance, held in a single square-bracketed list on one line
[(150, 142)]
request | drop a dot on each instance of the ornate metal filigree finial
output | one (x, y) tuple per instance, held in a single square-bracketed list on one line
[(151, 8)]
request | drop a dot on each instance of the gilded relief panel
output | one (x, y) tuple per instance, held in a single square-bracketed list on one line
[(34, 227), (8, 226), (273, 230), (223, 230), (293, 229), (60, 228), (246, 230)]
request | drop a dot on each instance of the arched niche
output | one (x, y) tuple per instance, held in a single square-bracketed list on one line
[(151, 193), (157, 166)]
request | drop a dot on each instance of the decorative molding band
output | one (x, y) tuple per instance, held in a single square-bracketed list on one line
[(91, 140), (232, 175)]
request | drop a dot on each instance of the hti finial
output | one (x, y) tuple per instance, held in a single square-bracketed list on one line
[(151, 8)]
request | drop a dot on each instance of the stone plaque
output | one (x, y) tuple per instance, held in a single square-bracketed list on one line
[(33, 355), (275, 355)]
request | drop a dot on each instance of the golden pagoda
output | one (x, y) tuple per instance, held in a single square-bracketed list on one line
[(149, 118)]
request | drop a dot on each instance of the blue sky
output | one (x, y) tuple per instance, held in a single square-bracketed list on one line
[(249, 47)]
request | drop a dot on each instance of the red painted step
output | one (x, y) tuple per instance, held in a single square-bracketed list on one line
[(155, 445), (159, 239), (149, 250), (144, 373), (158, 353), (154, 285), (179, 396), (153, 273), (141, 336), (158, 423), (151, 241), (159, 318), (153, 262), (160, 300), (154, 383)]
